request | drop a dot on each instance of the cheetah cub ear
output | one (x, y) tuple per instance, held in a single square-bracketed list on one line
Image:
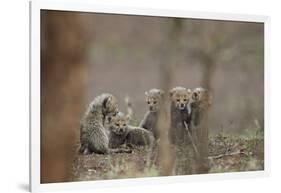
[(189, 91), (161, 92), (172, 91), (127, 118), (146, 96)]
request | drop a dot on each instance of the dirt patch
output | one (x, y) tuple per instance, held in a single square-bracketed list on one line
[(226, 154)]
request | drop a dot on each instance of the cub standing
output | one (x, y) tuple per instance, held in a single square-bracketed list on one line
[(154, 99), (180, 98), (201, 101)]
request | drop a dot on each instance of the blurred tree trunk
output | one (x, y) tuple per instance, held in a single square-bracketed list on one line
[(208, 66), (62, 70), (202, 162), (207, 71), (171, 47)]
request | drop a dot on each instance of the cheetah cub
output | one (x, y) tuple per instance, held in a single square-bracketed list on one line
[(122, 133), (117, 130), (201, 101), (93, 136), (179, 97), (154, 99)]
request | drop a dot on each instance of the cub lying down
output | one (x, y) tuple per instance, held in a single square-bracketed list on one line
[(122, 133)]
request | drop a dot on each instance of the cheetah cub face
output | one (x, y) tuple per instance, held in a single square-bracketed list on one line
[(154, 98), (180, 97), (201, 95), (119, 124), (110, 107)]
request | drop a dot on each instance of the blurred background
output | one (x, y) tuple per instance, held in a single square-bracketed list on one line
[(86, 54)]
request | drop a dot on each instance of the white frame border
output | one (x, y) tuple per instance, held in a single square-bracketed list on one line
[(34, 146)]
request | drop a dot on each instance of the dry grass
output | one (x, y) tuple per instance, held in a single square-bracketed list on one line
[(227, 153)]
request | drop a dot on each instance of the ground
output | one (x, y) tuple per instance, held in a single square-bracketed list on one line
[(227, 153)]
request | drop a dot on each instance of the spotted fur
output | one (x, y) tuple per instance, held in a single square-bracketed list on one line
[(93, 135), (154, 99), (179, 98), (122, 133)]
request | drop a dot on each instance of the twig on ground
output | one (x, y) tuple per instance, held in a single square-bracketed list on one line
[(228, 154), (191, 139)]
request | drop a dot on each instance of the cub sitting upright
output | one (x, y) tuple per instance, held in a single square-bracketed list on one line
[(180, 98), (93, 136), (154, 99), (201, 101), (122, 133)]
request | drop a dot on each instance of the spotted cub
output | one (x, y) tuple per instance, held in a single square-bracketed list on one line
[(179, 98), (201, 101), (154, 99), (93, 136), (122, 133), (117, 130)]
